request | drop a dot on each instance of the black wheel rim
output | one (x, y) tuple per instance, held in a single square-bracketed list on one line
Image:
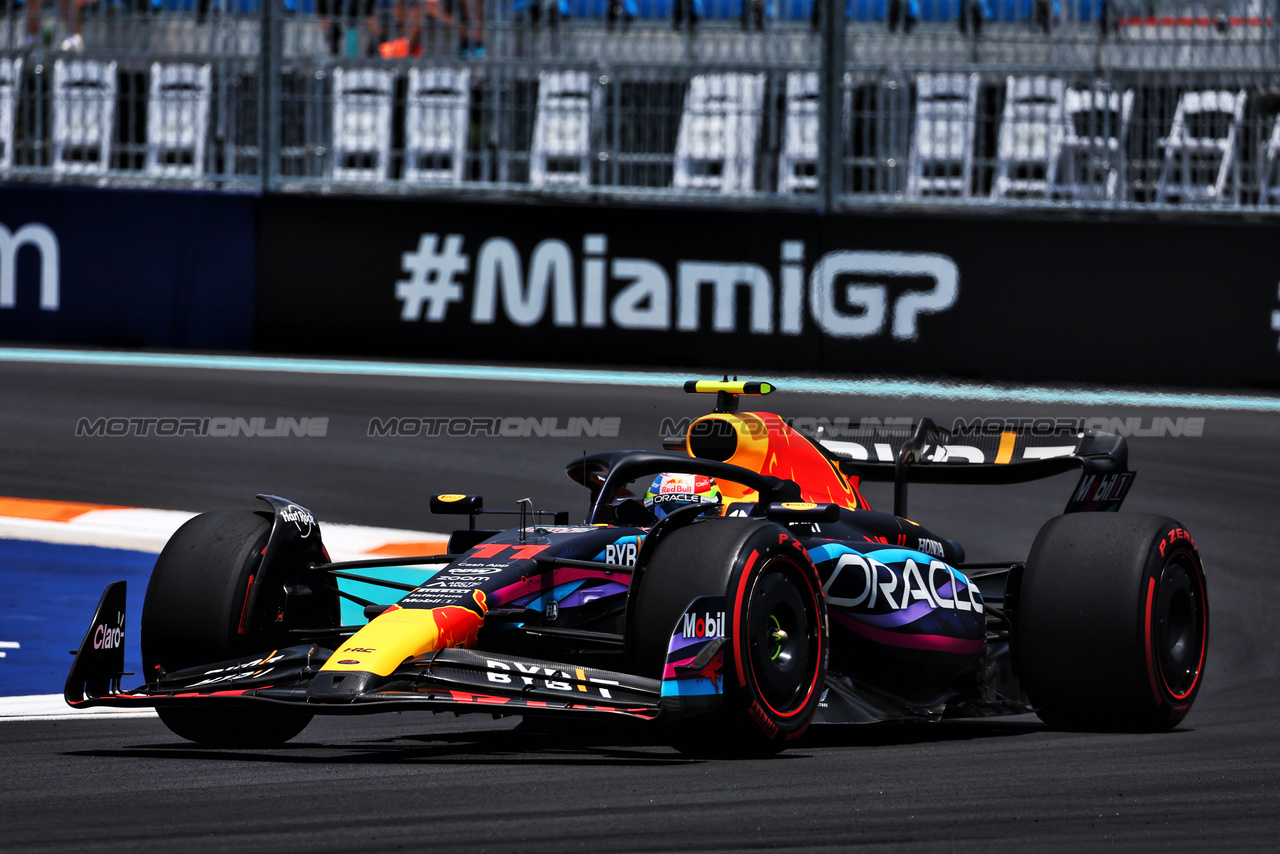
[(1178, 626), (782, 638)]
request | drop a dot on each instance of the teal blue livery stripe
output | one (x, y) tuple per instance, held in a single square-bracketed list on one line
[(928, 390), (353, 613), (688, 687)]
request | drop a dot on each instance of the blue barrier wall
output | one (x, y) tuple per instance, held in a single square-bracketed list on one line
[(51, 591), (1002, 297), (127, 267), (992, 298)]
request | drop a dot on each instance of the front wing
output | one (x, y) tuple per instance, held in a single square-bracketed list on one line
[(444, 680)]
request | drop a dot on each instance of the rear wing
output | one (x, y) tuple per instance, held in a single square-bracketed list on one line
[(929, 454)]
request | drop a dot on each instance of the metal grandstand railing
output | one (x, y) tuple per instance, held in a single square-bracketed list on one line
[(1083, 103)]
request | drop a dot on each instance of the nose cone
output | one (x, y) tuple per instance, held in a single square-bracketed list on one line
[(399, 634)]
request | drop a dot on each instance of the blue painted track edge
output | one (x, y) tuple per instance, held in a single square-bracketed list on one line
[(869, 387)]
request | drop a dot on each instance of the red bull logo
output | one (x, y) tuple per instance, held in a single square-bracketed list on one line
[(401, 633), (457, 625), (712, 669)]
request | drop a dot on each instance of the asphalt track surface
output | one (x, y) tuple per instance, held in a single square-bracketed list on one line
[(472, 783)]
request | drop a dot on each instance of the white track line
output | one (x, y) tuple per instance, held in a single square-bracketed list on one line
[(146, 530), (52, 707)]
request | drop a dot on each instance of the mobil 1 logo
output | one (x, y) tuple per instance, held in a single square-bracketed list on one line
[(704, 619)]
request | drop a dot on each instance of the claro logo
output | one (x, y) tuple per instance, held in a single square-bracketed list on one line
[(45, 242), (109, 637), (846, 294)]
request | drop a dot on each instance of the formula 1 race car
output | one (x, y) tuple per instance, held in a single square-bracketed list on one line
[(749, 593)]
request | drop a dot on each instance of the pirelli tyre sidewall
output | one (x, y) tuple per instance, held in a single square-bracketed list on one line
[(195, 613), (1112, 622), (778, 614), (776, 642)]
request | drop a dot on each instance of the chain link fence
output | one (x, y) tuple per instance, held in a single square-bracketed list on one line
[(804, 103)]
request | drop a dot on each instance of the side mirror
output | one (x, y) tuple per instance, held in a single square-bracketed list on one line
[(801, 511), (452, 504)]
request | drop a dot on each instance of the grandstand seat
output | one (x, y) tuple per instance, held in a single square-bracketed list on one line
[(84, 110), (719, 130), (1031, 131), (437, 123), (878, 129), (1200, 161), (561, 151), (798, 161), (178, 118), (1269, 191), (362, 123), (1091, 164), (942, 146), (10, 86)]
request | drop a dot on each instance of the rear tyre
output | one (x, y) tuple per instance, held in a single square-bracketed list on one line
[(775, 649), (1112, 622), (195, 613)]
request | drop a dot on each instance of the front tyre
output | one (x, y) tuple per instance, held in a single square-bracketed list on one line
[(1112, 622), (778, 645), (775, 643), (195, 613)]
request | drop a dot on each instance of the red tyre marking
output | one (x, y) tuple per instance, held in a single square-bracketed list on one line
[(813, 683), (244, 609), (1151, 672), (737, 613), (1204, 636), (766, 724), (794, 735)]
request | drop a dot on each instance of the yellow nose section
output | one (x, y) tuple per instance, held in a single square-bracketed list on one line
[(399, 633)]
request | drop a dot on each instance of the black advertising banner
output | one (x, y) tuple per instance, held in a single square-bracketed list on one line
[(1171, 302), (126, 267)]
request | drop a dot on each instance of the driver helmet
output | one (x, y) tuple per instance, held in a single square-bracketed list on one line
[(670, 492)]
